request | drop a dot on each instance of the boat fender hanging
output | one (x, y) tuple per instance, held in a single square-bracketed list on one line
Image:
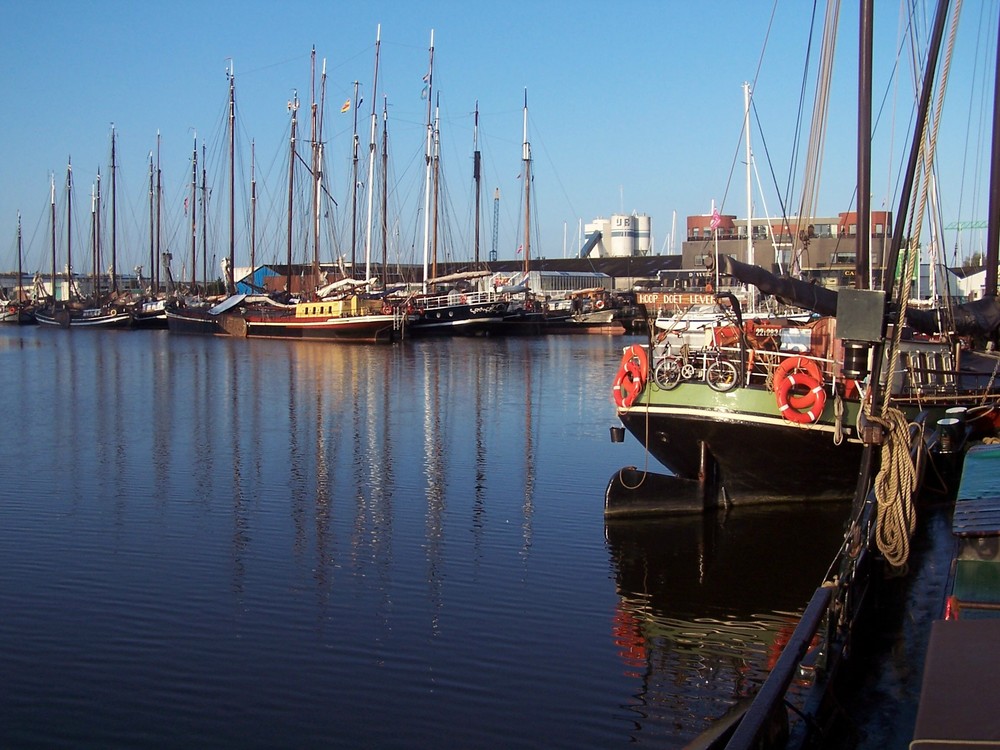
[(631, 377)]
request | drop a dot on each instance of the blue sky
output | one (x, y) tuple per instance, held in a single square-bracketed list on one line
[(631, 108)]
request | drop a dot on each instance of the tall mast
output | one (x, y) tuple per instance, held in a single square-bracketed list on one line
[(152, 248), (253, 208), (159, 208), (314, 151), (750, 254), (371, 158), (863, 235), (69, 227), (293, 107), (476, 156), (20, 271), (318, 174), (437, 188), (114, 222), (496, 223), (204, 218), (94, 260), (354, 184), (96, 209), (993, 231), (52, 205), (429, 80), (526, 157), (385, 191), (230, 280), (194, 222)]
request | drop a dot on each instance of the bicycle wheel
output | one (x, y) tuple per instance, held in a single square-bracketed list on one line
[(668, 373), (721, 375)]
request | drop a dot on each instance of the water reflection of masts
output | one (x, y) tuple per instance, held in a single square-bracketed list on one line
[(528, 508), (240, 522), (479, 506), (435, 470)]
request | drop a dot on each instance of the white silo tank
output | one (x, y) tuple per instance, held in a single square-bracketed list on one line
[(622, 236), (643, 234)]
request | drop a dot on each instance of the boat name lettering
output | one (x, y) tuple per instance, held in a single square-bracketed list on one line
[(660, 298)]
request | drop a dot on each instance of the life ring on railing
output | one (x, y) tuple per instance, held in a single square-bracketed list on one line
[(789, 366), (801, 408), (631, 377), (114, 311), (463, 299), (386, 309), (599, 305)]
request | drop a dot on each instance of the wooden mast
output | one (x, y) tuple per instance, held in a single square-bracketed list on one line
[(993, 230)]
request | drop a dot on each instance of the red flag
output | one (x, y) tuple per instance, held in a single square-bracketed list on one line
[(346, 107), (519, 249), (716, 219)]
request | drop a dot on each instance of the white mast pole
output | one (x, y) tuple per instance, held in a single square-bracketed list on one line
[(427, 157), (752, 290), (371, 159)]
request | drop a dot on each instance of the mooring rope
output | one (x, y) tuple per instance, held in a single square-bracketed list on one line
[(895, 486)]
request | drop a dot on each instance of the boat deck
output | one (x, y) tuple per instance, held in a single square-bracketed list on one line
[(959, 691)]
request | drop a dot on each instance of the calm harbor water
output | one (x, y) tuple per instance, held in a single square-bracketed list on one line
[(248, 544)]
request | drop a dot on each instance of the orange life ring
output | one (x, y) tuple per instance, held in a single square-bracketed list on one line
[(792, 365), (386, 310), (599, 304), (805, 408), (631, 377)]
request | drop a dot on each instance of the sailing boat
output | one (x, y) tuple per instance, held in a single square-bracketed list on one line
[(341, 310), (203, 315), (19, 309), (448, 305), (95, 310), (770, 412)]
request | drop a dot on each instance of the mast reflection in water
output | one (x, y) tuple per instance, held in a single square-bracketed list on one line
[(285, 544)]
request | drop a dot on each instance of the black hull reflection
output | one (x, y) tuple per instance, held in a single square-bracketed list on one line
[(707, 603)]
